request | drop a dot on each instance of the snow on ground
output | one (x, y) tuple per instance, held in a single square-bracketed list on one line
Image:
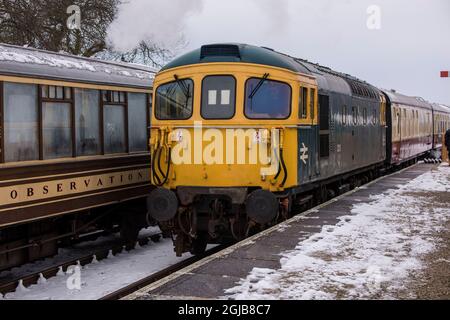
[(99, 279), (368, 254)]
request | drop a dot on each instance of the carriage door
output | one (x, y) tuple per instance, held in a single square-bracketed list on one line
[(308, 148), (324, 126)]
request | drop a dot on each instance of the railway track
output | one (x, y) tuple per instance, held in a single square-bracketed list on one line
[(25, 281), (125, 291), (52, 271)]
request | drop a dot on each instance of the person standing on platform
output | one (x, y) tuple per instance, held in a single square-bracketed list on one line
[(447, 143)]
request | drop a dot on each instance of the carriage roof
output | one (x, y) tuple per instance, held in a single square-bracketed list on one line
[(28, 62)]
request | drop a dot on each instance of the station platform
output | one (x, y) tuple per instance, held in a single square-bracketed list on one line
[(211, 277)]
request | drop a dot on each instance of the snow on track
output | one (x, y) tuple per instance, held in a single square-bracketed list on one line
[(99, 279), (368, 254)]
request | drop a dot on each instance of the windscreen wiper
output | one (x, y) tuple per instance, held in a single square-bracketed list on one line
[(183, 87), (258, 86)]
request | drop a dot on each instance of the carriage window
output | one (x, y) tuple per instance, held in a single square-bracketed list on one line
[(114, 129), (113, 97), (267, 99), (56, 92), (57, 130), (174, 100), (87, 122), (218, 97), (137, 122), (303, 103), (21, 122)]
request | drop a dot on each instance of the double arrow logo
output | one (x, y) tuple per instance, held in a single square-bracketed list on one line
[(304, 152)]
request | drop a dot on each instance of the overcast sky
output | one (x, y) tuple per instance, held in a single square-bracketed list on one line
[(406, 54)]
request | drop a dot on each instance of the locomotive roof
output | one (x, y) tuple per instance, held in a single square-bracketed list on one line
[(29, 62), (328, 79), (399, 98)]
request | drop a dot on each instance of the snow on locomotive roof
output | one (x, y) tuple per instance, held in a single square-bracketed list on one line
[(29, 62)]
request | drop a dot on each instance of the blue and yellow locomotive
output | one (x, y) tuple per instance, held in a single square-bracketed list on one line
[(243, 137)]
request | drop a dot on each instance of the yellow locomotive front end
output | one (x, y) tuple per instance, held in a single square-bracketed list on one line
[(225, 149)]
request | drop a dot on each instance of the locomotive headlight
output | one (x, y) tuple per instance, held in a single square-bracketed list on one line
[(162, 204), (262, 206)]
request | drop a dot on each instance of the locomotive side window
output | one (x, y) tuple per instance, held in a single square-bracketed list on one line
[(324, 125), (355, 115), (138, 123), (87, 122), (312, 102), (267, 99), (21, 122), (303, 103), (218, 97), (365, 116), (174, 100), (344, 115)]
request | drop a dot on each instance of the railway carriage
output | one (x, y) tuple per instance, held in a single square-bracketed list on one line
[(411, 127), (441, 123), (74, 150)]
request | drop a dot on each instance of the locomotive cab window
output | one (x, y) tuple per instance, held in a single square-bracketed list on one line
[(218, 97), (174, 100), (267, 99)]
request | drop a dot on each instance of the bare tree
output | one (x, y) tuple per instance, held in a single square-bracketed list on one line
[(42, 24), (145, 53)]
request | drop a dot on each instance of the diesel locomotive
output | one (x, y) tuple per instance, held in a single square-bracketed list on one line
[(243, 137)]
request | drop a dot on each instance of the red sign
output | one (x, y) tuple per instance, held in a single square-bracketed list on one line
[(444, 74)]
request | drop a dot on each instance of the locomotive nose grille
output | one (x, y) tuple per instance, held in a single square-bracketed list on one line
[(220, 50)]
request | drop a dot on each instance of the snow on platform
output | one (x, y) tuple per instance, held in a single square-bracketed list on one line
[(367, 244)]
